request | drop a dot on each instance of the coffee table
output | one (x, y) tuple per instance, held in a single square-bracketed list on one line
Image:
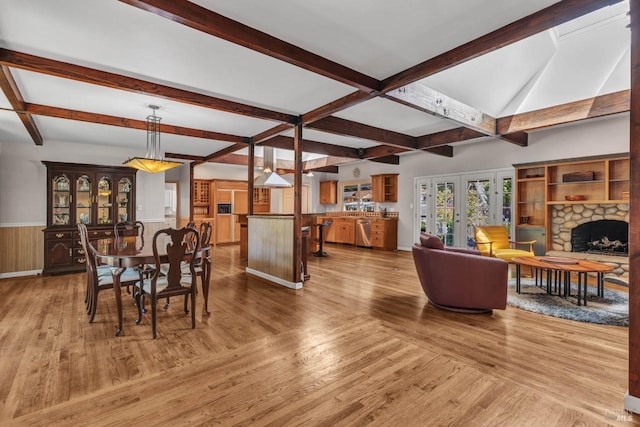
[(562, 269)]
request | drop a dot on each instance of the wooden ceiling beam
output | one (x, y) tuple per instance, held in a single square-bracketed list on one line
[(207, 21), (450, 136), (104, 119), (228, 150), (263, 136), (599, 106), (79, 73), (340, 126), (423, 98), (336, 106), (12, 92), (556, 14)]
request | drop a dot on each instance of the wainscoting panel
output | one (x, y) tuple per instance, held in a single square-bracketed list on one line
[(21, 248)]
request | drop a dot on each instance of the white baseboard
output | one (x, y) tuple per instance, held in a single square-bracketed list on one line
[(20, 274), (632, 403), (274, 279)]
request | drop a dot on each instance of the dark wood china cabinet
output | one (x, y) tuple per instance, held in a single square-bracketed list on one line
[(97, 196)]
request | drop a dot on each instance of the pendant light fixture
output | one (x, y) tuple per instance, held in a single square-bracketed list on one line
[(269, 178), (153, 161)]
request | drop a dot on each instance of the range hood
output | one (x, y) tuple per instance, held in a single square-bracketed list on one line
[(269, 178)]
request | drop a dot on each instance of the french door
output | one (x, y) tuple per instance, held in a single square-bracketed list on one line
[(450, 206)]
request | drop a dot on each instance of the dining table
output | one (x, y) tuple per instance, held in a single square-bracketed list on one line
[(132, 252)]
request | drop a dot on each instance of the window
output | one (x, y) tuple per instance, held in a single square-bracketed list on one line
[(357, 197)]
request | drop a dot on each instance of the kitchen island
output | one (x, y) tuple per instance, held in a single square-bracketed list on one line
[(271, 250)]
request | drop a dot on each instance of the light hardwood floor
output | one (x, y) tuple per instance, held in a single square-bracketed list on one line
[(359, 345)]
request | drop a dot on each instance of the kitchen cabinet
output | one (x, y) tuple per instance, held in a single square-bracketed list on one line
[(385, 187), (97, 196), (201, 201), (328, 192), (346, 231), (384, 233), (261, 200), (231, 198)]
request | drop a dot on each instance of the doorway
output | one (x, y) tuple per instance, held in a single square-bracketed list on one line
[(450, 206), (171, 201)]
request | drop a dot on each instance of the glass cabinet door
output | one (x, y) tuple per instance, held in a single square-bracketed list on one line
[(84, 200), (61, 200), (124, 199), (104, 200)]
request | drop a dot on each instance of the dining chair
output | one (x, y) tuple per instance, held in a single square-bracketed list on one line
[(202, 264), (175, 282), (203, 261), (128, 228), (99, 277)]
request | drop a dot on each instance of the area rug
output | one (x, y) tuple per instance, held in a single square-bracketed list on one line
[(612, 309)]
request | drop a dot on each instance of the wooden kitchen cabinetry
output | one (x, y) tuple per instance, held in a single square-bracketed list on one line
[(97, 196), (261, 200), (328, 192), (202, 201), (385, 187), (384, 234), (341, 230)]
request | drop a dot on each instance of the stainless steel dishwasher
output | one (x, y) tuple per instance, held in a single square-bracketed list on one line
[(363, 232)]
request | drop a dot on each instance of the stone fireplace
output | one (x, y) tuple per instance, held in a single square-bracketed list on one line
[(605, 236), (610, 220)]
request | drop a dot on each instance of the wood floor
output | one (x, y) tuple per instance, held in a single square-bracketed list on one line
[(359, 345)]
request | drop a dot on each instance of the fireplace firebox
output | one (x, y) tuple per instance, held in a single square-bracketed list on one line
[(603, 236)]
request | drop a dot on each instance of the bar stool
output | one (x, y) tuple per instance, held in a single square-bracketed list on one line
[(321, 227)]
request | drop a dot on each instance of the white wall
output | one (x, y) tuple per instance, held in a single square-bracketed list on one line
[(23, 176), (23, 186), (601, 136)]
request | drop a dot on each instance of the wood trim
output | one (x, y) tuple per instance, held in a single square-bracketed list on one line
[(297, 205), (634, 208), (79, 73), (12, 92), (207, 21), (603, 105), (228, 150), (547, 18)]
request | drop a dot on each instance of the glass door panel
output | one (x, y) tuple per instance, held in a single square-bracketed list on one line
[(61, 200), (124, 199), (478, 206), (366, 198), (84, 200), (507, 192), (105, 200), (350, 201), (446, 218)]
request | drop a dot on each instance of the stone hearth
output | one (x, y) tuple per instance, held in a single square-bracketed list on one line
[(565, 217)]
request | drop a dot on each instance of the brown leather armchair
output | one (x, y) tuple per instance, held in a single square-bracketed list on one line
[(459, 279)]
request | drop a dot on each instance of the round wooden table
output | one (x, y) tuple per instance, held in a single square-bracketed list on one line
[(562, 269), (131, 251)]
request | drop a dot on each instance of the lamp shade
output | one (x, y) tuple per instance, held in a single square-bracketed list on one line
[(153, 161), (151, 165)]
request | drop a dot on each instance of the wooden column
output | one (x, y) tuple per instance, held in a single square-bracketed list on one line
[(250, 176), (634, 215), (297, 202), (191, 166)]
